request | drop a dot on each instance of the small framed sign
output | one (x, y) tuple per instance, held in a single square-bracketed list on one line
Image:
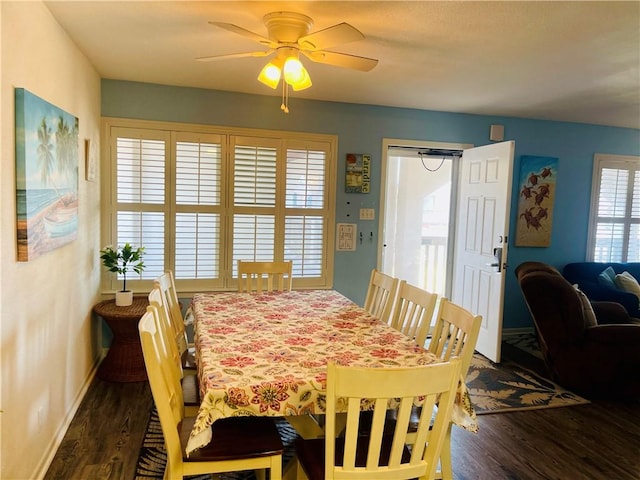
[(346, 237), (90, 160), (358, 173)]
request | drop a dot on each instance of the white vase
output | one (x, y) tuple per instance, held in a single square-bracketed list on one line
[(124, 298)]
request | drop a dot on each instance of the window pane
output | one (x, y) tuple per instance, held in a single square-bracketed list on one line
[(305, 179), (633, 252), (253, 239), (197, 245), (254, 176), (609, 242), (144, 229), (613, 193), (140, 166), (634, 243), (635, 203), (198, 173), (304, 240)]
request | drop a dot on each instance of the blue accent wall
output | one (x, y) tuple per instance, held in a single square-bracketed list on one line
[(361, 128)]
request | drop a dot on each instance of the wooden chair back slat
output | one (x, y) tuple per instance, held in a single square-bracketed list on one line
[(413, 311), (382, 455), (264, 276), (381, 295)]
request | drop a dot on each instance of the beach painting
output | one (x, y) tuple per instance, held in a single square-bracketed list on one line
[(536, 197), (47, 159)]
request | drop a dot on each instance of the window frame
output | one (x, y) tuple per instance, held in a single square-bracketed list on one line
[(619, 162), (173, 133)]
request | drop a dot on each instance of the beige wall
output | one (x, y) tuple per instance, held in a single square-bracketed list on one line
[(49, 342)]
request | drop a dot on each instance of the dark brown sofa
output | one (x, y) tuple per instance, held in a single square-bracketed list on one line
[(582, 355)]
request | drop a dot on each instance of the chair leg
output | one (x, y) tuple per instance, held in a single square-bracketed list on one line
[(290, 471), (306, 426), (301, 475), (341, 423), (260, 474), (445, 457), (275, 470)]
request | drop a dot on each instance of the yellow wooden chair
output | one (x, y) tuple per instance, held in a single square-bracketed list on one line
[(381, 454), (167, 285), (188, 380), (455, 334), (381, 295), (239, 443), (264, 276), (413, 311)]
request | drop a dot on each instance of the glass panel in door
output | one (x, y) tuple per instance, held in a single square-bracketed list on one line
[(417, 219)]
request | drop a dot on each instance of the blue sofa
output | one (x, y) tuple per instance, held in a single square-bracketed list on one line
[(585, 274)]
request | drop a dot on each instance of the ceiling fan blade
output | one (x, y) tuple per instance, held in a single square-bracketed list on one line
[(345, 60), (244, 32), (330, 37), (235, 55)]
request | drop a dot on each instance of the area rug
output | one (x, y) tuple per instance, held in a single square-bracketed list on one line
[(153, 457), (493, 388), (524, 341), (508, 387)]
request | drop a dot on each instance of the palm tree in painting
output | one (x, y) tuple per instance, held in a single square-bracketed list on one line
[(46, 160), (67, 148), (65, 159)]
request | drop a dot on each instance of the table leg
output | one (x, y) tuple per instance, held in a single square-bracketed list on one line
[(290, 469)]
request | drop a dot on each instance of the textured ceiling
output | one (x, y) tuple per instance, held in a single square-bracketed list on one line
[(566, 61)]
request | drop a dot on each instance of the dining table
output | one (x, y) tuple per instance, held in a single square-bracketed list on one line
[(266, 353)]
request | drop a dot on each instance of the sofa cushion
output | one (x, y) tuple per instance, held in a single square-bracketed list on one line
[(590, 319), (585, 274), (628, 283), (607, 278)]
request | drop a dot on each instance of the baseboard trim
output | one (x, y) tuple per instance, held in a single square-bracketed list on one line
[(512, 332), (57, 439)]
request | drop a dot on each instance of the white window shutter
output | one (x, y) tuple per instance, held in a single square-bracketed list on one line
[(615, 235), (198, 199)]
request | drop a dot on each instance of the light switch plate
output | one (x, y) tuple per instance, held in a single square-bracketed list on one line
[(367, 214)]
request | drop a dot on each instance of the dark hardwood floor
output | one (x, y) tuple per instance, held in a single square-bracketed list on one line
[(598, 441), (105, 435)]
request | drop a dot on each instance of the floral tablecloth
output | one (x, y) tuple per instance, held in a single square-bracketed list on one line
[(266, 353)]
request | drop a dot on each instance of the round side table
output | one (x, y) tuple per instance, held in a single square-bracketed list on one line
[(124, 361)]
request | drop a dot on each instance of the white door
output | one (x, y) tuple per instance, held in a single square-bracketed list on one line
[(482, 226)]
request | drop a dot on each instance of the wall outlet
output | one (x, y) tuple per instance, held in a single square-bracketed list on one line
[(367, 214)]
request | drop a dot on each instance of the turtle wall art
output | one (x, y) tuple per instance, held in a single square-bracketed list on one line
[(536, 196)]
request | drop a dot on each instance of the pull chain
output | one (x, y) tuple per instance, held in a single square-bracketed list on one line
[(285, 97)]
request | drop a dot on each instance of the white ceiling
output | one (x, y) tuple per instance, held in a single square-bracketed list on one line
[(566, 61)]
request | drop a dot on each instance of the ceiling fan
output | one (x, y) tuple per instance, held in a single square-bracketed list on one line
[(288, 36)]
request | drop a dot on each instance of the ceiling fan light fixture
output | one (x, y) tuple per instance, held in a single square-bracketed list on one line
[(289, 35), (270, 75), (303, 83), (286, 65), (293, 70)]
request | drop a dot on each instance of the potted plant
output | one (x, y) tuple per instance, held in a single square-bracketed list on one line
[(121, 260)]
